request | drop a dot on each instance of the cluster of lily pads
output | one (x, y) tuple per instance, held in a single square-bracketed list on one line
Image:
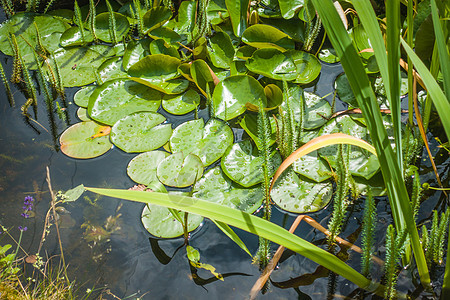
[(129, 86)]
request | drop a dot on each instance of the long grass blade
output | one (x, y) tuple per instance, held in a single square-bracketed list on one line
[(249, 223), (232, 235), (361, 87)]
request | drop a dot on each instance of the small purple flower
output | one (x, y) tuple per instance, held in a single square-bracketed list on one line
[(23, 228), (28, 206)]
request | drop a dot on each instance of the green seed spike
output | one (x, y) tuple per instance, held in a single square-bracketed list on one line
[(31, 89), (368, 231), (8, 7), (49, 4), (433, 237), (17, 66), (92, 15), (58, 83), (390, 266), (41, 48), (112, 23), (425, 238), (138, 12), (7, 87), (148, 4), (438, 252), (79, 20)]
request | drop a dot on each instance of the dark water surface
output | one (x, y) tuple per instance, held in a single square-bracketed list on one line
[(125, 262)]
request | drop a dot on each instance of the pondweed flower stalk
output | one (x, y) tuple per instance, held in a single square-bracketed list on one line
[(8, 8), (79, 20), (49, 4), (92, 15), (112, 23), (368, 229), (433, 243), (7, 87), (395, 244)]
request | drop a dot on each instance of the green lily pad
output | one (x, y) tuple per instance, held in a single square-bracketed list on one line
[(167, 34), (179, 170), (112, 69), (201, 74), (181, 104), (72, 37), (136, 50), (266, 36), (155, 68), (288, 8), (142, 168), (156, 17), (50, 29), (317, 111), (140, 132), (292, 27), (344, 91), (217, 12), (221, 52), (82, 114), (208, 142), (300, 196), (250, 124), (159, 222), (312, 167), (118, 98), (85, 140), (170, 87), (245, 52), (62, 14), (243, 164), (272, 63), (102, 28), (81, 98), (233, 93), (214, 186), (78, 65), (307, 65), (361, 162), (160, 46), (328, 55), (238, 15), (186, 16)]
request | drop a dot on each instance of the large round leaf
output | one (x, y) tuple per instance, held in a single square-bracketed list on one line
[(141, 132), (266, 36), (85, 140), (272, 63), (170, 87), (243, 164), (50, 29), (221, 52), (168, 35), (118, 98), (78, 65), (142, 168), (103, 30), (300, 196), (208, 142), (179, 170), (112, 69), (160, 222), (361, 162), (156, 17), (181, 104), (233, 93), (73, 37), (312, 167), (214, 186), (136, 50), (81, 98), (317, 111), (159, 46), (201, 73), (307, 65), (155, 68)]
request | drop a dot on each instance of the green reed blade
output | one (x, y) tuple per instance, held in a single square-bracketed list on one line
[(232, 235), (361, 87)]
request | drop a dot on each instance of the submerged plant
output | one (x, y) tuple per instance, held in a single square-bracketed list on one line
[(433, 242), (369, 223), (7, 87), (395, 244)]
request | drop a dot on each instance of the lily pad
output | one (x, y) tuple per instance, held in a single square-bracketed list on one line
[(238, 15), (208, 142), (112, 69), (300, 196), (102, 27), (233, 93), (85, 140), (78, 65), (142, 168), (361, 162), (167, 34), (160, 46), (307, 65), (317, 111), (250, 124), (81, 98), (221, 52), (272, 63), (312, 167), (243, 164), (201, 73), (170, 87), (118, 98), (181, 104), (156, 17), (136, 50), (160, 222), (214, 186), (141, 132), (328, 55), (179, 170), (266, 36), (344, 91), (73, 37), (82, 114), (155, 68), (50, 29)]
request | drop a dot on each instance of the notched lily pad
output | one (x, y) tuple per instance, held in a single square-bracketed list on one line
[(159, 221), (112, 69), (102, 27), (266, 36), (307, 66), (216, 187), (156, 17), (312, 167), (179, 170), (208, 142), (300, 196), (81, 98), (85, 140), (142, 168), (155, 68), (272, 63), (181, 104), (73, 37), (141, 132), (243, 164), (118, 98)]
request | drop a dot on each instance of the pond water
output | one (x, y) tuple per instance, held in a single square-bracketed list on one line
[(128, 261)]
